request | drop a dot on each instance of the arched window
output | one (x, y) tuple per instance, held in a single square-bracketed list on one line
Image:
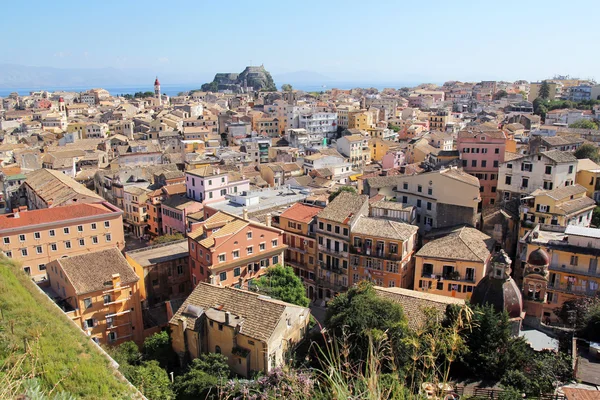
[(218, 349)]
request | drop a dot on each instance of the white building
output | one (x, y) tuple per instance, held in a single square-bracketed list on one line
[(521, 175), (88, 98), (356, 148), (319, 122)]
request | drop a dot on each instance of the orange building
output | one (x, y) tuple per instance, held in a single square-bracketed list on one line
[(232, 251), (298, 224), (37, 237), (154, 202), (382, 251), (100, 292)]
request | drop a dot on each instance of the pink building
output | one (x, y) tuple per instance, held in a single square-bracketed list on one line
[(482, 150), (207, 184), (393, 159), (174, 212)]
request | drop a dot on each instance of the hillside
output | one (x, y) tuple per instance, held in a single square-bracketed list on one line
[(38, 341), (257, 78)]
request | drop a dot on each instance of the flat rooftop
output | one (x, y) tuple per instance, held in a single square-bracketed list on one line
[(267, 198), (159, 253)]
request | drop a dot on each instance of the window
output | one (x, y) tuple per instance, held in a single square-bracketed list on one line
[(112, 336), (249, 235), (548, 170), (345, 231), (180, 270), (570, 169), (508, 180), (22, 238), (464, 163), (6, 240), (94, 239), (108, 237), (509, 165), (39, 250), (328, 227), (429, 205), (493, 189), (82, 242), (274, 243), (87, 303), (419, 188), (89, 323), (405, 186), (525, 182), (52, 232), (249, 250), (496, 150), (37, 235), (24, 252), (483, 163), (320, 225), (275, 260), (394, 248), (79, 228), (574, 260), (218, 348), (237, 271), (404, 199), (221, 257), (107, 224), (473, 163), (236, 254), (66, 231), (107, 298), (223, 276), (418, 203), (430, 191), (495, 163), (94, 226), (261, 246), (526, 167), (67, 244)]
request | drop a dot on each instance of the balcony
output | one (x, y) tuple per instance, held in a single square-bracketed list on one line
[(571, 269), (336, 269), (375, 252), (332, 251), (571, 288), (452, 276), (336, 286)]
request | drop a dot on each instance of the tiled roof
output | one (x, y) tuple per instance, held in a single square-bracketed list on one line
[(561, 140), (206, 170), (585, 164), (301, 212), (56, 187), (160, 253), (377, 182), (343, 207), (89, 272), (391, 205), (229, 229), (464, 243), (414, 303), (580, 204), (460, 175), (260, 315), (384, 228), (178, 188), (560, 156), (56, 214), (487, 131), (179, 202), (509, 156), (563, 192)]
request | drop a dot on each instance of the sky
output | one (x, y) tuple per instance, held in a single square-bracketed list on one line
[(362, 41)]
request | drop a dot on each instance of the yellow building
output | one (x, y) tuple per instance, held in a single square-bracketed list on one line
[(361, 119), (453, 264), (534, 90), (254, 332), (77, 126), (561, 264), (379, 148), (588, 176), (438, 120), (566, 205)]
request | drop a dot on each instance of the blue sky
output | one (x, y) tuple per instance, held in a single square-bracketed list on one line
[(363, 41)]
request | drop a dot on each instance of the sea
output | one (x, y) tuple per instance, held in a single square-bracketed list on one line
[(175, 89)]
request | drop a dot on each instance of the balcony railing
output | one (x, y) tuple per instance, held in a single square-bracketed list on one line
[(337, 269), (449, 277), (570, 269), (573, 288), (332, 251), (335, 285), (375, 252)]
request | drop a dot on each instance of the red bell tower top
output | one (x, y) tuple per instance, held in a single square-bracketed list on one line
[(156, 82)]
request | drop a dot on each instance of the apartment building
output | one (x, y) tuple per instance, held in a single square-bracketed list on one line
[(208, 184), (163, 270), (334, 224), (254, 332), (136, 210), (298, 224), (174, 212), (438, 120), (520, 175), (100, 292), (45, 188), (560, 264), (481, 152), (381, 251), (324, 123), (230, 251), (356, 148), (588, 176), (453, 264), (37, 237), (360, 119)]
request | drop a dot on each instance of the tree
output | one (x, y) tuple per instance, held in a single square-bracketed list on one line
[(587, 151), (591, 328), (395, 128), (150, 379), (574, 312), (500, 94), (286, 87), (281, 283), (158, 347), (204, 374), (544, 92), (359, 315), (596, 217), (335, 194), (584, 124), (168, 238), (127, 353)]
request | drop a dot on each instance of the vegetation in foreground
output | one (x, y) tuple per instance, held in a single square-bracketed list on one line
[(44, 354)]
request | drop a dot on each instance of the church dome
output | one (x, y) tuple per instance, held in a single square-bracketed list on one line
[(538, 258), (499, 289)]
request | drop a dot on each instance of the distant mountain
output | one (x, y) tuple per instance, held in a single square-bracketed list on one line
[(301, 77), (21, 76)]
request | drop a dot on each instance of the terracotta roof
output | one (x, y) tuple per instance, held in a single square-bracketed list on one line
[(562, 192), (301, 212), (414, 303), (343, 207), (260, 315), (90, 272), (384, 228), (179, 202), (58, 189), (463, 243), (581, 394), (228, 229), (56, 214), (391, 205), (178, 188), (585, 164)]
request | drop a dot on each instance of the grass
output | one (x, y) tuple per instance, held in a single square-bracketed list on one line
[(38, 341)]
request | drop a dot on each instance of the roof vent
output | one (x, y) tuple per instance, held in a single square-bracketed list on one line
[(263, 297), (192, 310)]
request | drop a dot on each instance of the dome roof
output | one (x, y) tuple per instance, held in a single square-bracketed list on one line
[(500, 293), (156, 82), (539, 258)]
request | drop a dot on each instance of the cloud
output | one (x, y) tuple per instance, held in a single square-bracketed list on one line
[(163, 60), (62, 54)]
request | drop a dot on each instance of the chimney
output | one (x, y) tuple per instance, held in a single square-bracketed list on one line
[(116, 280), (227, 315), (268, 219), (245, 214)]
